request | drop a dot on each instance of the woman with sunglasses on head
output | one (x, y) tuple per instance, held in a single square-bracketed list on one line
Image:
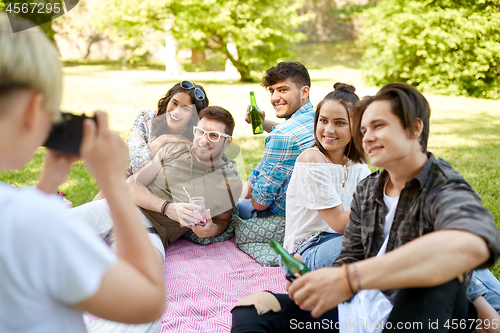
[(323, 181), (172, 122)]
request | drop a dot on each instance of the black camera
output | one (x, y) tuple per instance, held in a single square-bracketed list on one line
[(66, 136)]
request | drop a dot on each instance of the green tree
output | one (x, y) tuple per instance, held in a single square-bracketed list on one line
[(127, 22), (46, 27), (440, 46), (262, 30), (81, 23)]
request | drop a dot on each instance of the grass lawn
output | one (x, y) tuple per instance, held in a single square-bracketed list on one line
[(464, 131)]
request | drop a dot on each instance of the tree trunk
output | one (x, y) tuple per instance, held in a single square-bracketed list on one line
[(92, 40), (245, 74), (240, 66), (197, 57)]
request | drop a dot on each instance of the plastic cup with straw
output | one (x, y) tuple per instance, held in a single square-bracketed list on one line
[(199, 201)]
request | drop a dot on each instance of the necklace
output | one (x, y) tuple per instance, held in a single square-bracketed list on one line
[(343, 165)]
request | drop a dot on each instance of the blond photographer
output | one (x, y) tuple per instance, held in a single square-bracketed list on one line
[(52, 265)]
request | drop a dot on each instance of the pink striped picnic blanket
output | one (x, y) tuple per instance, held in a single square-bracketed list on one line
[(203, 283)]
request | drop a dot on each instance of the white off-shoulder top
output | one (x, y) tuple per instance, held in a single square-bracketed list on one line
[(316, 186)]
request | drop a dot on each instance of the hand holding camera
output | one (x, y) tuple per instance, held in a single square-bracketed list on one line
[(63, 149), (104, 152), (66, 136)]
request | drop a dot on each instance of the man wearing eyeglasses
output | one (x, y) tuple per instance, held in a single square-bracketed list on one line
[(178, 170)]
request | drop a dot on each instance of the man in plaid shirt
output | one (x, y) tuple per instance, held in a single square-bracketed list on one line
[(289, 85)]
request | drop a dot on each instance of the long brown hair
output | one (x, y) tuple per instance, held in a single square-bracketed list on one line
[(162, 109), (344, 94)]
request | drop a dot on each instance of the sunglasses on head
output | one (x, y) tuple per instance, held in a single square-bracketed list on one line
[(198, 93)]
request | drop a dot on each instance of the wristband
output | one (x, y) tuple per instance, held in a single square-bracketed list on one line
[(344, 280), (357, 276), (164, 207), (348, 280)]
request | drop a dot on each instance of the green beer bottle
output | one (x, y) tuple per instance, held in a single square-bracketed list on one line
[(255, 116), (293, 265)]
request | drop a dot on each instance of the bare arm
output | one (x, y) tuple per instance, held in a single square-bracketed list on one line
[(132, 290), (138, 181), (430, 260), (56, 168), (336, 217), (269, 124), (488, 315), (257, 205)]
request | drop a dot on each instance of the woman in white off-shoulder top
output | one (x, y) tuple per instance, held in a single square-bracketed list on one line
[(323, 181)]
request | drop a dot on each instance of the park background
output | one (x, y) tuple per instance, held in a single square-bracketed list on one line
[(121, 56)]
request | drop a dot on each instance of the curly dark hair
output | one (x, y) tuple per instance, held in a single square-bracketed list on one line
[(162, 108), (344, 94), (284, 70)]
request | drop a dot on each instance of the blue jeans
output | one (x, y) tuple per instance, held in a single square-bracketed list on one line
[(484, 283), (321, 251), (248, 211)]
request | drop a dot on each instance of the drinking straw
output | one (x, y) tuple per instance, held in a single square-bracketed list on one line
[(187, 194)]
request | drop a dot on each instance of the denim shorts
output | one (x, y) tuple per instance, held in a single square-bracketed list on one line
[(321, 251)]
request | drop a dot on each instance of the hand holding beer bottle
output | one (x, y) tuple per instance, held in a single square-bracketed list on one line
[(255, 116), (288, 264)]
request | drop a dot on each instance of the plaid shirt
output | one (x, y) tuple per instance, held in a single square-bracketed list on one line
[(438, 198), (283, 145)]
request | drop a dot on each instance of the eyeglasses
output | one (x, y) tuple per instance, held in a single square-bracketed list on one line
[(198, 93), (211, 135)]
